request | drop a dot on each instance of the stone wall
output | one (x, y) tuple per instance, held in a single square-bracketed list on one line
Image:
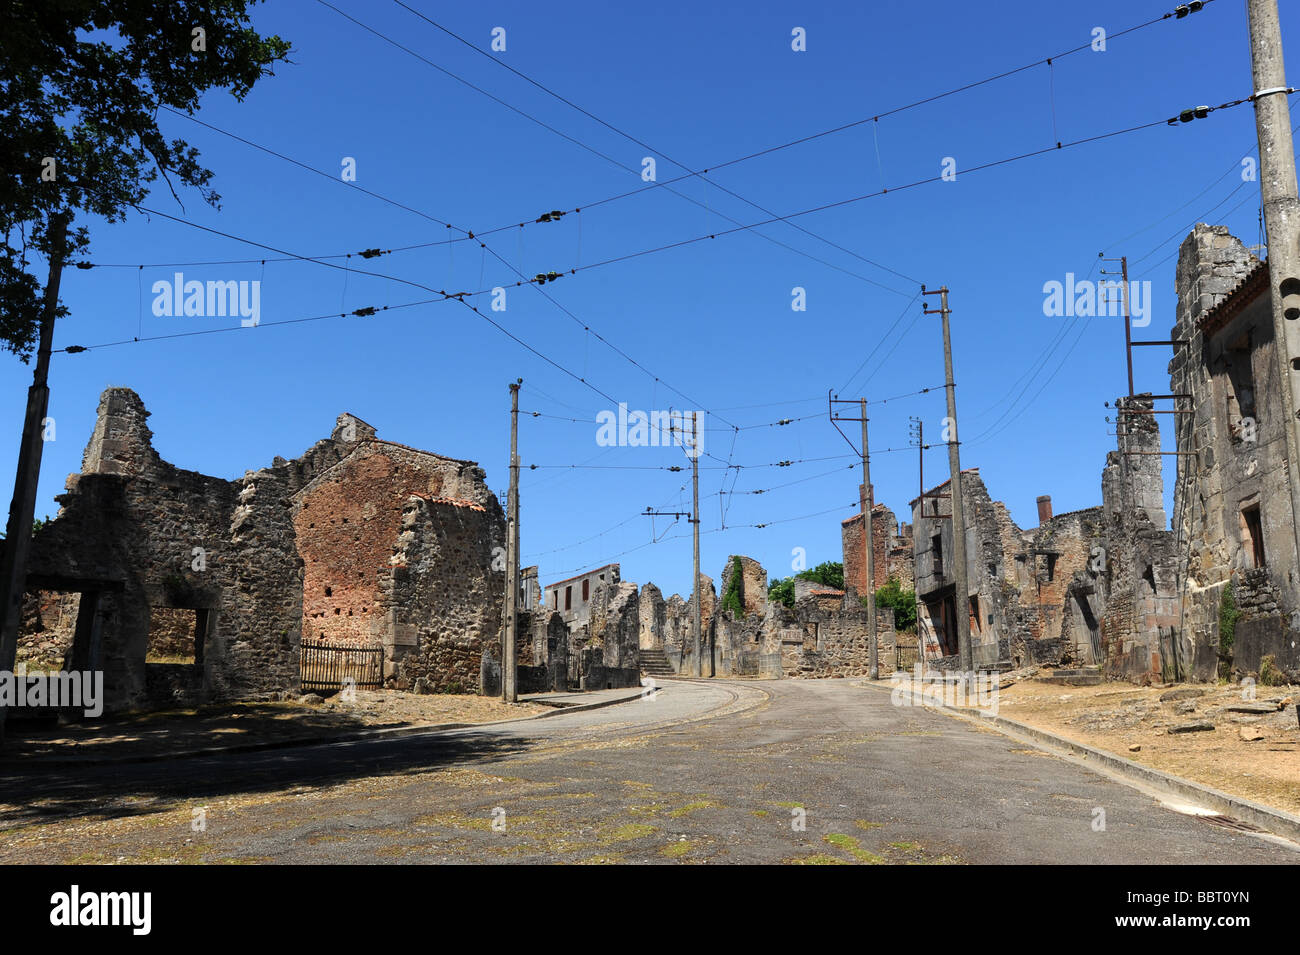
[(653, 610)]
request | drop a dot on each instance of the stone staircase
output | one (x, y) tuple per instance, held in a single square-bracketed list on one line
[(654, 663)]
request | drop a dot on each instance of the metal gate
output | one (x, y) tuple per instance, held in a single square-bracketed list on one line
[(328, 666)]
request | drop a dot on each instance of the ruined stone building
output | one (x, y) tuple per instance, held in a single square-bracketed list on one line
[(571, 598), (583, 633), (1122, 603), (358, 541), (938, 602), (1017, 578), (823, 635), (1232, 506)]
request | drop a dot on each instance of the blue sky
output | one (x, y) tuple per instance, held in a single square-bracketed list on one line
[(711, 321)]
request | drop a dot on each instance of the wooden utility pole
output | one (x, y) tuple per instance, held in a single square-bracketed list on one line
[(1277, 184), (695, 524), (510, 630), (919, 423), (961, 596), (22, 509)]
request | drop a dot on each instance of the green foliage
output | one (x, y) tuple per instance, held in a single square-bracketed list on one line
[(829, 574), (902, 602), (731, 599), (37, 524), (1228, 614), (83, 83), (782, 591), (1269, 672)]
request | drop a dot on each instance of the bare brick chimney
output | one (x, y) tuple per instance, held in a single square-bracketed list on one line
[(1044, 508)]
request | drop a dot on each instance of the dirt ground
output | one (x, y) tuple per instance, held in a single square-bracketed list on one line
[(1136, 722), (177, 731)]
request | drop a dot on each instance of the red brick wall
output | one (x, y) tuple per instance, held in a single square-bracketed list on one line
[(855, 561), (347, 525)]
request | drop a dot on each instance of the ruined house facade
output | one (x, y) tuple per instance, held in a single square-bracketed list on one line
[(1017, 578), (1121, 610), (357, 541), (1232, 497)]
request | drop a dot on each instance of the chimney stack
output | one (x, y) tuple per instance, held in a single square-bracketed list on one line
[(1044, 508)]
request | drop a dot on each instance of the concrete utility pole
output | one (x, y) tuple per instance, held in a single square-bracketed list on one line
[(1277, 184), (873, 651), (695, 523), (920, 477), (22, 510), (866, 498), (961, 597), (510, 631)]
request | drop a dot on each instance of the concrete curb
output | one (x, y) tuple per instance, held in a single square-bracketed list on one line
[(1275, 821), (302, 742)]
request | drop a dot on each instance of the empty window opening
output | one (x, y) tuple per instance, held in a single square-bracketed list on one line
[(1051, 567), (176, 635), (586, 585), (46, 628), (329, 591), (976, 624), (1241, 378), (936, 548), (568, 597), (1253, 535)]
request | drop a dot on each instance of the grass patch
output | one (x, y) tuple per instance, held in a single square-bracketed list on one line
[(853, 847), (676, 850), (691, 807)]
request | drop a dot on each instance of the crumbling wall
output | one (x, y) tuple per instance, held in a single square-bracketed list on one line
[(441, 601), (654, 618), (753, 583), (135, 534), (891, 558), (1233, 460), (610, 658), (348, 520), (146, 534), (835, 638), (1120, 607)]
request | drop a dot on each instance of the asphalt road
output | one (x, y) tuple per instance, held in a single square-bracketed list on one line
[(722, 771)]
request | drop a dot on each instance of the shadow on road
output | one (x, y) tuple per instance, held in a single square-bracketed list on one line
[(99, 792)]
